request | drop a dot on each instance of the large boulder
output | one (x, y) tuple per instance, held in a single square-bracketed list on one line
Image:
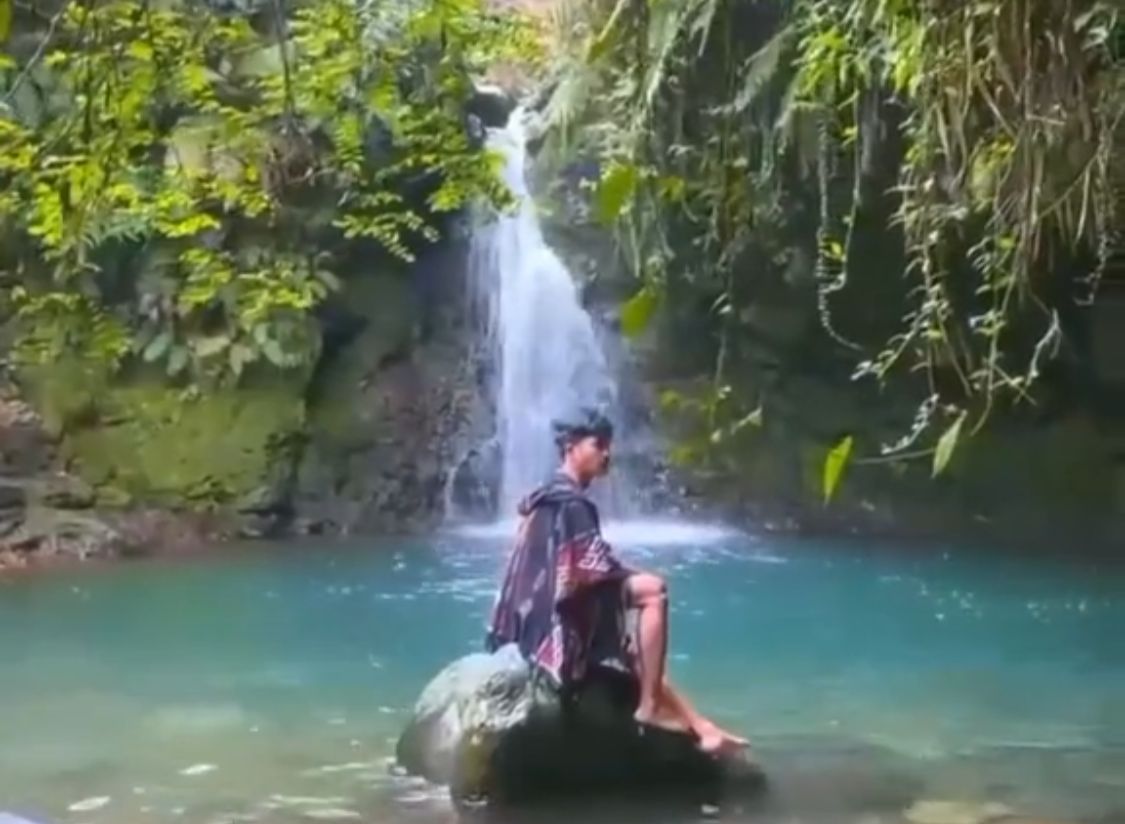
[(492, 104), (496, 735)]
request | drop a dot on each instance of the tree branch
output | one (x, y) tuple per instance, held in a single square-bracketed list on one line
[(40, 50)]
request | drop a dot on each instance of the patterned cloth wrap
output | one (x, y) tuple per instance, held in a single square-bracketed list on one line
[(562, 597)]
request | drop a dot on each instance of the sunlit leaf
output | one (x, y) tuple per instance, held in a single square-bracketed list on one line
[(274, 353), (157, 347), (178, 360), (671, 188), (946, 444), (753, 419), (834, 465), (607, 37), (637, 312), (5, 19), (670, 399), (212, 345), (615, 190)]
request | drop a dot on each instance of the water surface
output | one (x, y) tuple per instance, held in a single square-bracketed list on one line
[(269, 686)]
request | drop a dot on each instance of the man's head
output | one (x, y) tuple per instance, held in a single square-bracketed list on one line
[(584, 445)]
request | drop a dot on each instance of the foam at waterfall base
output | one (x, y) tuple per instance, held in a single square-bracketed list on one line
[(646, 532)]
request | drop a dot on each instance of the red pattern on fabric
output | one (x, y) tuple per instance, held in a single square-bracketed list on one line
[(583, 562)]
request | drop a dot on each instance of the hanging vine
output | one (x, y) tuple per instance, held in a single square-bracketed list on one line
[(1003, 188)]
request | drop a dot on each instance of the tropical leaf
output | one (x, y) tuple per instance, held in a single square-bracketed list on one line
[(606, 38), (753, 419), (157, 347), (762, 67), (834, 465), (5, 19), (275, 354), (239, 355), (946, 444), (664, 28), (703, 16), (178, 360), (212, 345), (637, 312), (615, 190)]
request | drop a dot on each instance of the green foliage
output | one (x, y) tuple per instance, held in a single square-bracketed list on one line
[(58, 323), (946, 444), (1010, 108), (835, 462), (710, 421), (637, 312), (994, 176), (173, 140), (615, 191)]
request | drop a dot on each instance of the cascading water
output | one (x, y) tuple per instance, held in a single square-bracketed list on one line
[(547, 359)]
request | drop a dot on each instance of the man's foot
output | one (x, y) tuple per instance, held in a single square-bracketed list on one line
[(660, 719), (714, 740)]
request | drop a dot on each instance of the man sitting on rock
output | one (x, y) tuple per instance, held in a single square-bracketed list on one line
[(564, 593)]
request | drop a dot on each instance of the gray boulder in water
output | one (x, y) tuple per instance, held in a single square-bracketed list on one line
[(494, 734)]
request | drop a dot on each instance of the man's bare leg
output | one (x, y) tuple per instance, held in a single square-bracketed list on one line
[(660, 704), (648, 595)]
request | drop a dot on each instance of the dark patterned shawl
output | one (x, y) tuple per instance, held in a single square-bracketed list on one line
[(561, 599)]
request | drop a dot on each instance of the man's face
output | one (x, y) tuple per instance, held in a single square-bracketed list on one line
[(589, 456)]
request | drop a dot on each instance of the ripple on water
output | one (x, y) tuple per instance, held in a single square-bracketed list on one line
[(197, 770), (646, 532), (89, 805), (200, 719)]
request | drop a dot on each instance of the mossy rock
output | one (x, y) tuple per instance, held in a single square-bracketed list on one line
[(385, 306), (495, 733), (66, 394), (147, 441)]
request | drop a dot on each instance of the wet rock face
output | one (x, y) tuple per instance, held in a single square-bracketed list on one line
[(49, 516), (497, 735), (475, 483), (366, 445), (395, 406), (492, 105)]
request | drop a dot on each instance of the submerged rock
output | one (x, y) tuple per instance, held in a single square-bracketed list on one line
[(494, 734)]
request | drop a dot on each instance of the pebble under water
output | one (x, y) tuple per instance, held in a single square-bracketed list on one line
[(878, 683)]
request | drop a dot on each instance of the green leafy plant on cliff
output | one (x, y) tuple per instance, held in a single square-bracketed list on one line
[(713, 118), (176, 186)]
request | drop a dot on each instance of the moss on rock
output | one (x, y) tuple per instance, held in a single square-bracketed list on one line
[(141, 439), (385, 307)]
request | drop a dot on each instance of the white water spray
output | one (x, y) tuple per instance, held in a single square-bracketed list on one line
[(549, 361)]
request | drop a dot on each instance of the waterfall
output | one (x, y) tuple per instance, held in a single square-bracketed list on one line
[(542, 345)]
